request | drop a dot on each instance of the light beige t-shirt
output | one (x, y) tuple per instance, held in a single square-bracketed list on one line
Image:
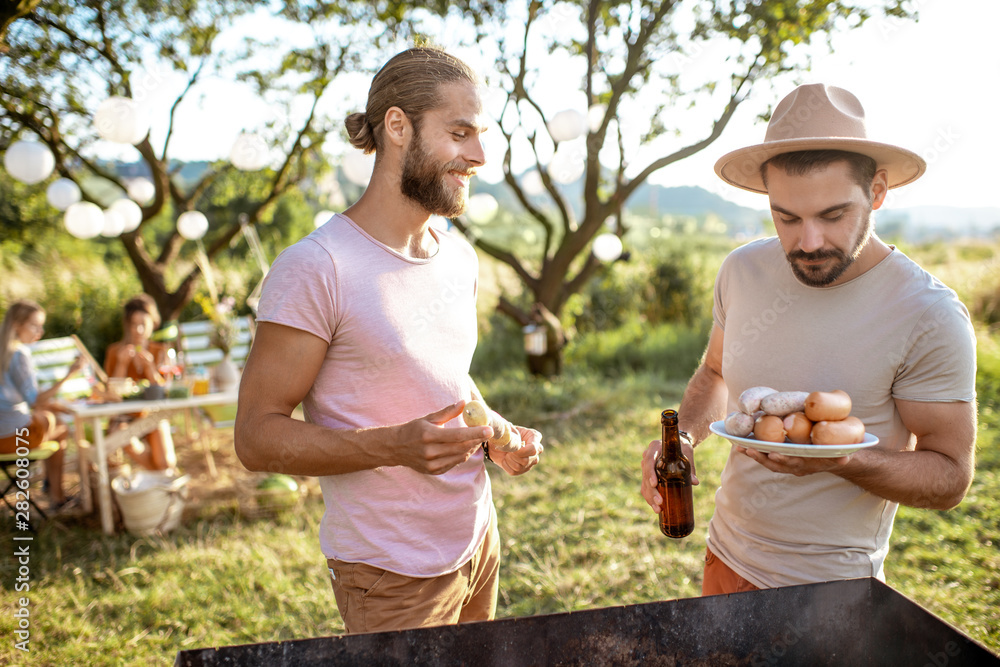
[(893, 332)]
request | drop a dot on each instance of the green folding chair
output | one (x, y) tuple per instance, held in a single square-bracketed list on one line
[(10, 468)]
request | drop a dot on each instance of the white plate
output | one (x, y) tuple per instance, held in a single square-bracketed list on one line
[(790, 448)]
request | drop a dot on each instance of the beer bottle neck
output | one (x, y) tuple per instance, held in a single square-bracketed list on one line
[(671, 435)]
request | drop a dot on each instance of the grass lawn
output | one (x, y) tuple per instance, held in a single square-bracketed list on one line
[(575, 532)]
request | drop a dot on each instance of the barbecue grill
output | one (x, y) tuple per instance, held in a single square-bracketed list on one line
[(853, 622)]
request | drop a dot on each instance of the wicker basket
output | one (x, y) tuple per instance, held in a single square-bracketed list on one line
[(258, 503)]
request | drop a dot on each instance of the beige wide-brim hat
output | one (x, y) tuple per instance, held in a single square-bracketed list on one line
[(817, 117)]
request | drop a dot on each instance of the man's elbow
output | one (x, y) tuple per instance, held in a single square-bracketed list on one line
[(244, 443), (950, 502), (952, 498)]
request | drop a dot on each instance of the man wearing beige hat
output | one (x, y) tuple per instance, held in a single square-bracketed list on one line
[(828, 305)]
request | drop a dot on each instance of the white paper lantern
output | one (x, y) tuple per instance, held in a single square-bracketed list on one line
[(62, 193), (141, 190), (250, 152), (29, 161), (114, 223), (567, 166), (595, 116), (607, 247), (532, 184), (129, 211), (84, 220), (481, 208), (357, 167), (192, 225), (567, 125), (121, 120), (322, 218)]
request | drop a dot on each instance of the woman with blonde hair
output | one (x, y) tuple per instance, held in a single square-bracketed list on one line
[(27, 415)]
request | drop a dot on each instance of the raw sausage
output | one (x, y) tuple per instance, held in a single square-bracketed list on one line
[(798, 428), (828, 406), (505, 438), (850, 431), (783, 403), (769, 428), (739, 424), (749, 401)]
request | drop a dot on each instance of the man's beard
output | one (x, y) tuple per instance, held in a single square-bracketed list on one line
[(817, 277), (424, 181)]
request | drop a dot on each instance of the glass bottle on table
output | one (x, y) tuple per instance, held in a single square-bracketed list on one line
[(673, 480), (168, 368), (201, 384)]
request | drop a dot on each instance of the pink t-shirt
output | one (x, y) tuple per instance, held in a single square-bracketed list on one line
[(402, 332)]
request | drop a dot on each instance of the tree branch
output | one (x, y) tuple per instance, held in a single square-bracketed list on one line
[(735, 99), (173, 107)]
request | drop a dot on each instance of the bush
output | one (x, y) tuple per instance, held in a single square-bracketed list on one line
[(501, 348), (81, 295), (671, 351), (669, 282)]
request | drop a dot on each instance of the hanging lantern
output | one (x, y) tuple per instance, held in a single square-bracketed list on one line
[(29, 161), (607, 247), (192, 225), (481, 208), (566, 166), (250, 152), (322, 218), (357, 167), (532, 183), (595, 116), (84, 220), (141, 190), (567, 125), (121, 120), (535, 342), (62, 193), (114, 223), (129, 211)]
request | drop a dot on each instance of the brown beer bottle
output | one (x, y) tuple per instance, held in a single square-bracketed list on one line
[(673, 481)]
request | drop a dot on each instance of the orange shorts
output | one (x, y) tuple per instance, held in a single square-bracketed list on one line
[(720, 579), (38, 428)]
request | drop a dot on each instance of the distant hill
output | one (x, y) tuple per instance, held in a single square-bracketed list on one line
[(655, 201), (927, 223), (689, 200)]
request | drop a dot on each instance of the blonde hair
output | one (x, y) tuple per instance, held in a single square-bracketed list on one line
[(409, 81), (16, 315)]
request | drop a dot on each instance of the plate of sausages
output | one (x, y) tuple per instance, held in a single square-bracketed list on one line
[(814, 424), (791, 448)]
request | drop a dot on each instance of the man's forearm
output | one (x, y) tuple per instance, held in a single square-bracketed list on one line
[(704, 402), (925, 479), (277, 443)]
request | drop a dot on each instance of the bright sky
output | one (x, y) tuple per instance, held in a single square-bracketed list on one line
[(928, 85)]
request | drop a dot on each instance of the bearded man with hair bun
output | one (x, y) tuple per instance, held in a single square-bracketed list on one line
[(370, 323)]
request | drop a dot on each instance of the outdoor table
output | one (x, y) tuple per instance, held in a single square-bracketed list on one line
[(106, 444)]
